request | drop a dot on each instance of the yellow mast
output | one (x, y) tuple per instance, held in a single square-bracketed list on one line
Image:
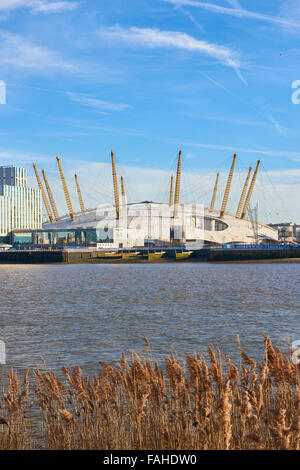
[(250, 192), (116, 188), (122, 187), (228, 186), (123, 192), (171, 192), (243, 195), (177, 185), (79, 195), (51, 199), (213, 200), (66, 191), (46, 202)]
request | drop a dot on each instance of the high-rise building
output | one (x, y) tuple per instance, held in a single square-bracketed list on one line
[(20, 205)]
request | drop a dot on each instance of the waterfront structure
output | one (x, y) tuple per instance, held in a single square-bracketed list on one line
[(20, 205), (288, 232), (159, 223), (150, 223)]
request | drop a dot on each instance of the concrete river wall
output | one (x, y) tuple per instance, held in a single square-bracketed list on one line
[(204, 255)]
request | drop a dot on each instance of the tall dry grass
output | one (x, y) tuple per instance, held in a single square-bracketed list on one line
[(140, 405)]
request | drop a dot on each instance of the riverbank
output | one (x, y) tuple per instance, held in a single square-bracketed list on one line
[(169, 256)]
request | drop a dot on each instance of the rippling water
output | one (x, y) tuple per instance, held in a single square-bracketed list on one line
[(83, 314)]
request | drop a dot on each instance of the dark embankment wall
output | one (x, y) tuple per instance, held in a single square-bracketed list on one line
[(30, 257), (59, 256), (239, 255), (204, 255)]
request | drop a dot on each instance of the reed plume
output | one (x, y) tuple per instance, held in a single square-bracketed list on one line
[(190, 404)]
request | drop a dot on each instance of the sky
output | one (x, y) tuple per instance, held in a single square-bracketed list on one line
[(147, 78)]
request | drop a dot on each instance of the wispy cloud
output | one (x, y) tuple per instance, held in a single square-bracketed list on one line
[(152, 37), (236, 11), (278, 127), (192, 19), (294, 156), (234, 3), (198, 113), (95, 103), (17, 51), (290, 10), (54, 7), (188, 15), (38, 6)]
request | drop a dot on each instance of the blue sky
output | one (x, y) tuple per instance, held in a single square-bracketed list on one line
[(146, 78)]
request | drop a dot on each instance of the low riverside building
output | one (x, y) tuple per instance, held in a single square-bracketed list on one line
[(20, 205), (288, 232)]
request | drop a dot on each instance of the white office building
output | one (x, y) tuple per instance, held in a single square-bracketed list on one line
[(20, 205)]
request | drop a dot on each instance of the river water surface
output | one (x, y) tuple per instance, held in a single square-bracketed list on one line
[(82, 314)]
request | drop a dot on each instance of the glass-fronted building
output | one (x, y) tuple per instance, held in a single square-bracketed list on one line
[(20, 205), (58, 237)]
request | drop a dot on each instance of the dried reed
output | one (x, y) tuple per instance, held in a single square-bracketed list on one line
[(141, 405)]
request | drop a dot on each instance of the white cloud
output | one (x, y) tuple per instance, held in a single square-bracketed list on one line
[(293, 156), (152, 37), (290, 9), (16, 51), (96, 103), (192, 18), (54, 7), (278, 127), (38, 6), (237, 12), (188, 15), (234, 3)]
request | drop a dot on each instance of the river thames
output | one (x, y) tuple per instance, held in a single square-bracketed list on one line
[(83, 314)]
